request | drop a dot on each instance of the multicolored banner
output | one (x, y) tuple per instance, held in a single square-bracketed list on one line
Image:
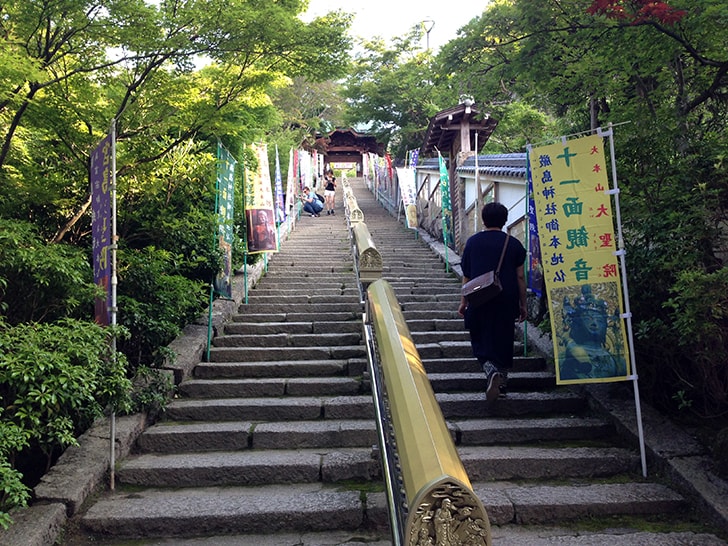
[(535, 266), (580, 266), (408, 189), (259, 210), (280, 206), (225, 218), (100, 178)]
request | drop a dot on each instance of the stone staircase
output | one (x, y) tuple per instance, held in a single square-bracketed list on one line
[(272, 441)]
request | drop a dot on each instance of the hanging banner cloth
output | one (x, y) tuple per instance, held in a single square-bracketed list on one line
[(100, 178), (225, 198), (259, 209), (408, 190), (581, 269)]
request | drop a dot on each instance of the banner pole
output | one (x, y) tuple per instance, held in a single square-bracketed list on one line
[(627, 314), (114, 281)]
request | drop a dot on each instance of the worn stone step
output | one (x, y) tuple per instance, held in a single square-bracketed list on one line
[(271, 409), (210, 511), (254, 354), (477, 381), (434, 300), (250, 467), (468, 364), (538, 463), (295, 297), (440, 336), (255, 328), (315, 305), (315, 507), (273, 386), (520, 535), (548, 504), (432, 324), (285, 339), (171, 437), (472, 405), (494, 431), (290, 291), (247, 315), (284, 368)]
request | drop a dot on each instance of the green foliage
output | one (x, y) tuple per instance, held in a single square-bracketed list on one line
[(665, 81), (152, 390), (55, 379), (391, 93), (13, 492), (699, 312), (155, 303), (40, 281)]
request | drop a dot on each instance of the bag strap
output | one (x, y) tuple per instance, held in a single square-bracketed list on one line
[(503, 253)]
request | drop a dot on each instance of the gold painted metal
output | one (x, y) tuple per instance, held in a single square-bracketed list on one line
[(370, 260), (443, 510)]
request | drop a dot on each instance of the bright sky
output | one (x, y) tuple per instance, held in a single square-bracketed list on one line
[(389, 18)]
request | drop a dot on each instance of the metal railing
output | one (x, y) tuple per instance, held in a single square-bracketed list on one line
[(429, 495)]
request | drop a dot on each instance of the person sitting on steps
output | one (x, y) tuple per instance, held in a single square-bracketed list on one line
[(311, 203)]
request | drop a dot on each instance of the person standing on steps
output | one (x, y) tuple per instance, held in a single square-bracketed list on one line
[(491, 325), (330, 193)]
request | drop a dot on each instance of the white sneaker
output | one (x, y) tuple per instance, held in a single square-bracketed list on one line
[(495, 380)]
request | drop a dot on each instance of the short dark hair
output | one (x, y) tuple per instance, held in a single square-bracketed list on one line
[(494, 215)]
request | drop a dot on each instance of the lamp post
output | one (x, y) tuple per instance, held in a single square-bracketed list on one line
[(427, 24)]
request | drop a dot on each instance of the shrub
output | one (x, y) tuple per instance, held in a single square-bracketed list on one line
[(55, 379), (155, 303), (39, 281)]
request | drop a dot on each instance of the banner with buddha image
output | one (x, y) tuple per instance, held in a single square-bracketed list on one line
[(259, 207), (581, 271)]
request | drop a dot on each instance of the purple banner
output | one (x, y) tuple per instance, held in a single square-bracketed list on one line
[(100, 177)]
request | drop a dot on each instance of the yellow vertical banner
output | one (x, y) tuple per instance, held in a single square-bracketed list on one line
[(581, 269), (259, 211)]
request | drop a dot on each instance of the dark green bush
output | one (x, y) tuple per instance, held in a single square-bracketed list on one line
[(55, 380), (40, 281), (155, 303)]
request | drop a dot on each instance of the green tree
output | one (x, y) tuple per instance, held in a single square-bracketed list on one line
[(661, 67), (391, 92)]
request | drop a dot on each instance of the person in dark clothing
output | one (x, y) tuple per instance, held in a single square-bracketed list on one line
[(491, 325)]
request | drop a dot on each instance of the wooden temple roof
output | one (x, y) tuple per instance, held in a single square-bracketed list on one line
[(446, 126), (346, 141)]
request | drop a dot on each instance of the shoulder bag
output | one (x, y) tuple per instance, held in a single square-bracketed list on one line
[(485, 287)]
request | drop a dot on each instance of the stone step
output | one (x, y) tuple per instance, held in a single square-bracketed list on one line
[(468, 364), (317, 304), (510, 535), (285, 340), (191, 512), (255, 354), (514, 431), (440, 336), (453, 405), (290, 291), (284, 368), (304, 508), (235, 436), (246, 315), (472, 405), (331, 464), (273, 386), (271, 409), (250, 467), (256, 328), (452, 382)]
